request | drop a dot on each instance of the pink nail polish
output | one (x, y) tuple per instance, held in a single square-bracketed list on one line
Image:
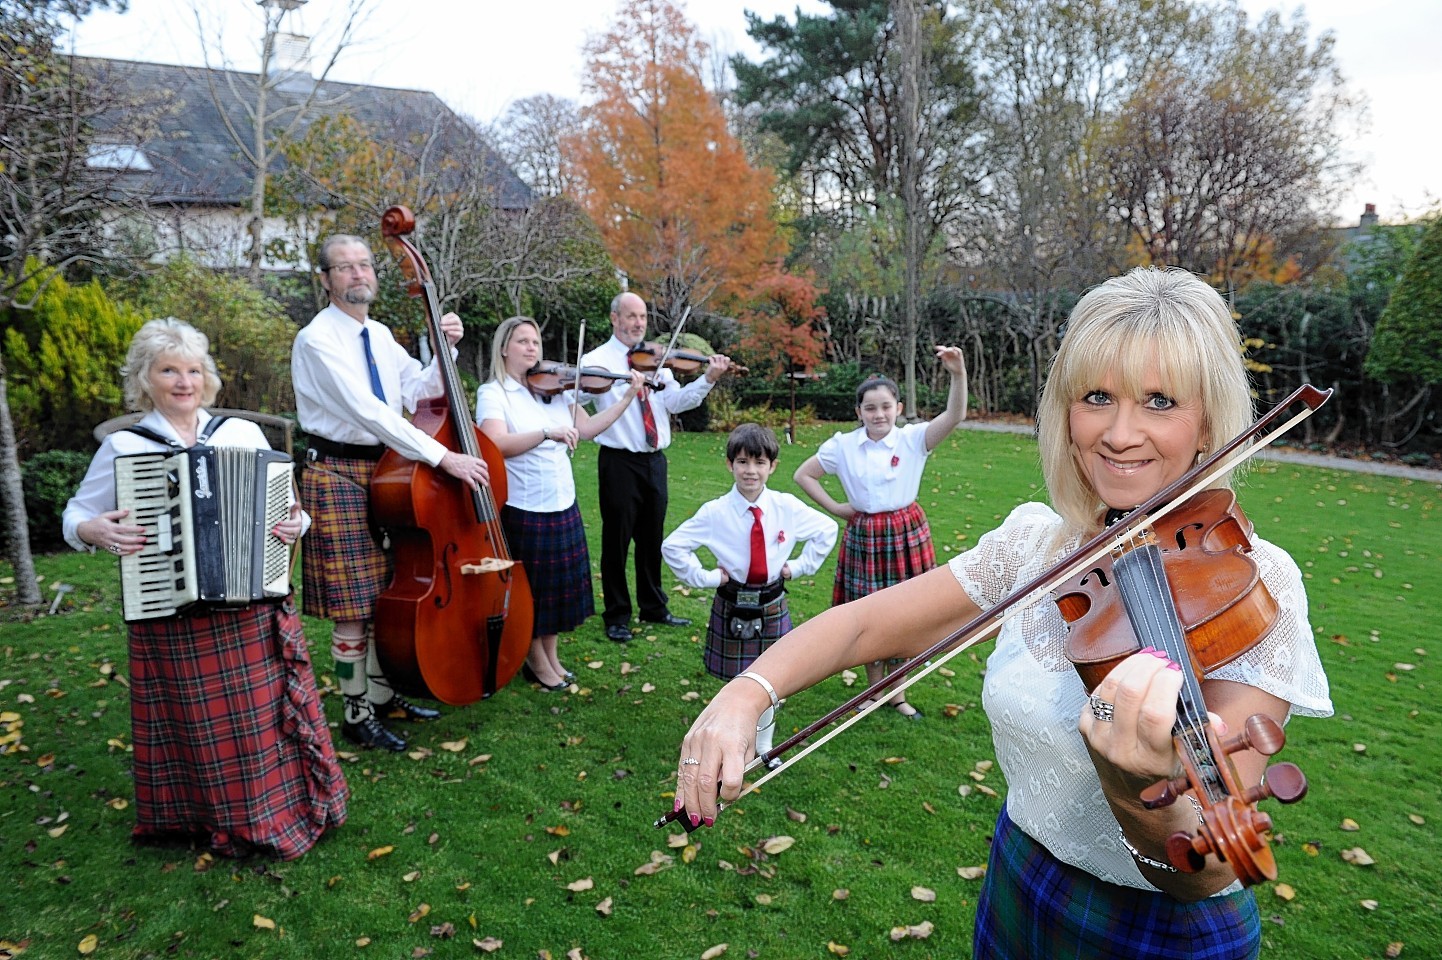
[(677, 807), (1151, 650), (695, 820), (708, 820), (1160, 655), (1174, 666)]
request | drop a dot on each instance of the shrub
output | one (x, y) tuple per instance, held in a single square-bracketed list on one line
[(49, 480)]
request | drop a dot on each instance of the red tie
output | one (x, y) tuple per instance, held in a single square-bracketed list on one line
[(648, 416), (757, 575)]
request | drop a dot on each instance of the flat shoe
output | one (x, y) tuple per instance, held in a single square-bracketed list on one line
[(531, 677), (618, 633), (399, 708), (915, 714), (671, 620)]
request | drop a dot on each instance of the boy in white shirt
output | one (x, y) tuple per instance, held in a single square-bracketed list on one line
[(752, 532)]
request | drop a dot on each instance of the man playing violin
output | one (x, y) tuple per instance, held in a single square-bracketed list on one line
[(631, 470), (1148, 379), (352, 382)]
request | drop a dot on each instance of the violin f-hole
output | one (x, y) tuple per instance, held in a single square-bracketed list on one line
[(1181, 533)]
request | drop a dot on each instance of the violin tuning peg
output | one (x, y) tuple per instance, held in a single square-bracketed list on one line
[(1283, 781), (1163, 793), (1261, 733), (1188, 853)]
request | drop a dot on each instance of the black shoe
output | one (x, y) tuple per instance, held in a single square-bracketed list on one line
[(370, 733), (915, 714), (399, 708), (532, 677), (618, 633), (671, 620)]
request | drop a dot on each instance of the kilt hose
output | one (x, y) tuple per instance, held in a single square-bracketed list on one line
[(230, 742), (344, 569), (552, 548), (1033, 905), (725, 655), (882, 549)]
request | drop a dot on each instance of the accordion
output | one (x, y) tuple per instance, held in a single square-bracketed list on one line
[(208, 513)]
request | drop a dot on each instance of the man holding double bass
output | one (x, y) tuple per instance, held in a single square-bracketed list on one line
[(352, 381)]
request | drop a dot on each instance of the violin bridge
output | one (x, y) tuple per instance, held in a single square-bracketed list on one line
[(488, 565)]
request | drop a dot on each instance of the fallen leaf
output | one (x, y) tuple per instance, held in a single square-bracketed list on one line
[(88, 944), (795, 815), (1357, 857), (839, 949), (985, 766), (420, 911), (412, 877), (1394, 949), (575, 954), (596, 664), (444, 931), (45, 760), (923, 894), (1359, 748), (488, 944), (56, 832), (647, 687), (576, 886), (454, 746), (971, 873), (118, 803), (764, 899), (604, 907), (894, 760), (1349, 825), (1368, 904), (559, 831), (690, 695), (263, 923), (983, 788), (840, 893), (379, 852), (362, 941), (482, 758), (1417, 818), (1284, 891), (714, 952), (778, 844), (1311, 848), (675, 840)]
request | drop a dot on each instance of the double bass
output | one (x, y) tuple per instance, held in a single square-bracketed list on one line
[(455, 622)]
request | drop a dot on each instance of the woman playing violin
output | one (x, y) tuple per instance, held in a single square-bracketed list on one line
[(541, 519), (1148, 379)]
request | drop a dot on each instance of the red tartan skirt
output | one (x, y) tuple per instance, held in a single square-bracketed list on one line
[(343, 568), (230, 740), (882, 549)]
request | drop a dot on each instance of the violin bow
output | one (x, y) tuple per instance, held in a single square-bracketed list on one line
[(576, 391), (675, 334), (968, 635)]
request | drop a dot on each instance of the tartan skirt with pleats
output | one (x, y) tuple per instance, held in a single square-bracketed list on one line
[(726, 656), (552, 548), (882, 549), (1033, 905), (230, 742), (343, 567)]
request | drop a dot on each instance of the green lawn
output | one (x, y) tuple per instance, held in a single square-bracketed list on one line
[(527, 818)]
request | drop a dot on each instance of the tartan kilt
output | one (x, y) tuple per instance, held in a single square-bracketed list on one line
[(1033, 905), (726, 657), (882, 549), (230, 741), (552, 548), (343, 568)]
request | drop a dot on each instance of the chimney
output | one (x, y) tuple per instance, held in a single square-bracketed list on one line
[(1369, 217)]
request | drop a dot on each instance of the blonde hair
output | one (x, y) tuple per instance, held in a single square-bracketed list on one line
[(1169, 319), (499, 342), (154, 339)]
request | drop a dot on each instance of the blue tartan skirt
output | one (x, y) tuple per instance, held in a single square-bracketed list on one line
[(1032, 905), (552, 548)]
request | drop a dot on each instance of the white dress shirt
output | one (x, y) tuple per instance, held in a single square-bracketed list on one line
[(629, 432), (333, 397), (878, 476), (723, 526), (96, 494), (540, 479)]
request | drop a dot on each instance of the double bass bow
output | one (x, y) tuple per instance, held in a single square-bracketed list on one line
[(1206, 524), (455, 622)]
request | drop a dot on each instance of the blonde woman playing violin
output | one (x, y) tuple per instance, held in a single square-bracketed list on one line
[(1148, 377), (541, 519)]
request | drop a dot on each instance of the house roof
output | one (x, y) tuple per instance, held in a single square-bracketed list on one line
[(192, 158)]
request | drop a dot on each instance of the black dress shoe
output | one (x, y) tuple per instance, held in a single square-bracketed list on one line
[(618, 633), (399, 708), (671, 620), (532, 677), (370, 733)]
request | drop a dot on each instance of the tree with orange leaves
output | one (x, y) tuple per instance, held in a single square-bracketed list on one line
[(781, 323), (679, 206)]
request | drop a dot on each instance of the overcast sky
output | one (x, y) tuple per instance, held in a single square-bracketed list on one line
[(479, 55)]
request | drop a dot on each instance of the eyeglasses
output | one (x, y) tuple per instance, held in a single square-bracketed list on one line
[(360, 266)]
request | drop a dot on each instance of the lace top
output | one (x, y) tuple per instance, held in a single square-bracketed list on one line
[(1034, 697)]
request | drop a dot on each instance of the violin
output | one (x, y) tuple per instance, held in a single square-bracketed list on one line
[(647, 356), (549, 378), (1207, 530)]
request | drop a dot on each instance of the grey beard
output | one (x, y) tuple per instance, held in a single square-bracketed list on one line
[(360, 295)]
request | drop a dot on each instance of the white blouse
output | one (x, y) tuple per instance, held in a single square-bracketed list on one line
[(878, 476), (540, 479), (1033, 695)]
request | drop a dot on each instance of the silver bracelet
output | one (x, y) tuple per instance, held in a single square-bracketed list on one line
[(1147, 861), (765, 685)]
